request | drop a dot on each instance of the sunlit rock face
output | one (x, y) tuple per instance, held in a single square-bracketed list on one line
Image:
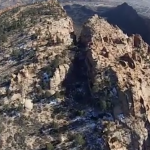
[(118, 68)]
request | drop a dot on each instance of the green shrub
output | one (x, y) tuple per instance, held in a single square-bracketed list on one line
[(59, 95), (54, 125), (95, 88), (3, 38), (79, 139), (49, 146), (16, 54), (79, 113), (103, 105)]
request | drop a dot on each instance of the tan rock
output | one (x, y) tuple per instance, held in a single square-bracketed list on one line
[(58, 77), (28, 104), (16, 97)]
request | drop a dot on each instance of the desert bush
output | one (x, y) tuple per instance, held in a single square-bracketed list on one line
[(1, 143), (57, 61), (103, 105), (3, 38), (59, 95), (2, 128), (54, 125), (79, 113), (79, 139), (95, 88), (49, 146), (17, 54)]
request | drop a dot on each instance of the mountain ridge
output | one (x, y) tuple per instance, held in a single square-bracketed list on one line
[(57, 92)]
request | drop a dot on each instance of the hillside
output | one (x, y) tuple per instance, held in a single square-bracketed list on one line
[(60, 93)]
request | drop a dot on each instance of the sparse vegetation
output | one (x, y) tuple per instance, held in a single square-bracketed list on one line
[(2, 128), (79, 113), (54, 125), (51, 84)]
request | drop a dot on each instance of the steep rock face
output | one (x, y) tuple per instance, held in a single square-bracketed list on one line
[(59, 76), (118, 69)]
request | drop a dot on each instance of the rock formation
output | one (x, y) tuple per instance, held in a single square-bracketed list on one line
[(118, 68)]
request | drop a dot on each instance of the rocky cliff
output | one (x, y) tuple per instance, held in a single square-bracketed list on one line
[(57, 93), (118, 68)]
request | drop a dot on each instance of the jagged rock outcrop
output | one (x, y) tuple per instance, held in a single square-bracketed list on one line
[(118, 70)]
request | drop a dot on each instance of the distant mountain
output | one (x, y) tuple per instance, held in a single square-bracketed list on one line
[(79, 14), (128, 20), (124, 16)]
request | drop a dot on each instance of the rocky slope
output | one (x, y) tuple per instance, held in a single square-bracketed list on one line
[(57, 93)]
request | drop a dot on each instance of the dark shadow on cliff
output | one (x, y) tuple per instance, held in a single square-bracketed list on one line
[(76, 81), (80, 98), (77, 113)]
